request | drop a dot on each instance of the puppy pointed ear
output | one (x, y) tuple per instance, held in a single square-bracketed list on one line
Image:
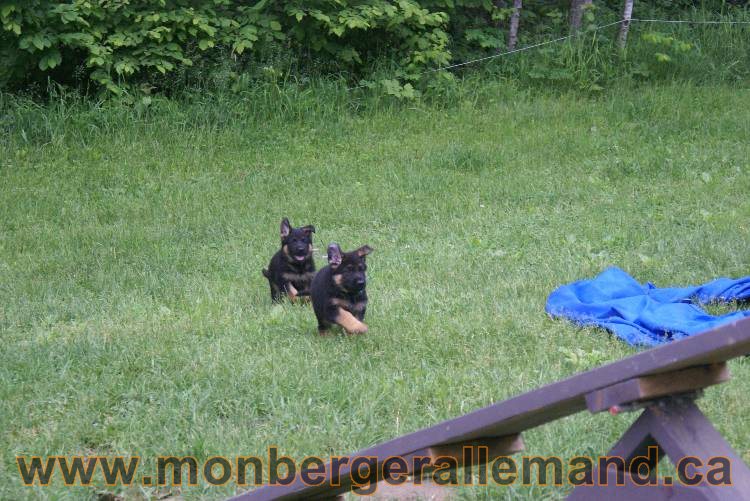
[(308, 229), (364, 250), (286, 228), (334, 255)]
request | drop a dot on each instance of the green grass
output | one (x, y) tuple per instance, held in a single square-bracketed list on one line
[(135, 320)]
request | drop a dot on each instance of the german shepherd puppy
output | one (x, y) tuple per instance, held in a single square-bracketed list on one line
[(338, 290), (292, 268)]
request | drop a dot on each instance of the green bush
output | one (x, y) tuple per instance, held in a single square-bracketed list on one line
[(115, 42), (389, 45)]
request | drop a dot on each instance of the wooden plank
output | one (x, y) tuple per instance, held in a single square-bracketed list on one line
[(495, 447), (539, 406), (465, 454), (655, 386)]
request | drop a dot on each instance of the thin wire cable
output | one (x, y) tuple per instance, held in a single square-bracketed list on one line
[(673, 21), (528, 47), (555, 40), (501, 54)]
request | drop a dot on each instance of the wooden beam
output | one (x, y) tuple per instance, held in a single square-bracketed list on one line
[(539, 406), (659, 385), (496, 446), (465, 454)]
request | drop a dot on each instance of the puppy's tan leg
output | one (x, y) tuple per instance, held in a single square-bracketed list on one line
[(350, 323), (291, 291)]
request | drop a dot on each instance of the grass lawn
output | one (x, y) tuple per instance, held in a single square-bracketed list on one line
[(135, 320)]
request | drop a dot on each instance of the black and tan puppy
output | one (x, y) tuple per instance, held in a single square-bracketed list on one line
[(292, 268), (338, 290)]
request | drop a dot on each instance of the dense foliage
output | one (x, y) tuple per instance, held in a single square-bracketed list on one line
[(120, 43), (112, 41)]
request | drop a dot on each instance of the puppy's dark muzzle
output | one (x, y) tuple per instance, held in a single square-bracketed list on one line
[(300, 255)]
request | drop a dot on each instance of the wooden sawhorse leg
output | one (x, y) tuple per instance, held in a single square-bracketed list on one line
[(675, 426)]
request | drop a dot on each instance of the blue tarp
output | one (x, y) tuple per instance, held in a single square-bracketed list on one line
[(645, 314)]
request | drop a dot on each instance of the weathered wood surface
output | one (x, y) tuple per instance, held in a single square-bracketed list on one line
[(496, 446), (537, 407), (658, 385)]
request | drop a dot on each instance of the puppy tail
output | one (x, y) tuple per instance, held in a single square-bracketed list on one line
[(265, 273)]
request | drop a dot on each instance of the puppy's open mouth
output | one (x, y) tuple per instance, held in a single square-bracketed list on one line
[(300, 258)]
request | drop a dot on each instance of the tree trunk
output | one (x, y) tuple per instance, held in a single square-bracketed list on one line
[(576, 13), (515, 18), (500, 25), (627, 13)]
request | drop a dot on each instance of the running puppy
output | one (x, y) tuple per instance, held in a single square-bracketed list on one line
[(338, 290), (292, 268)]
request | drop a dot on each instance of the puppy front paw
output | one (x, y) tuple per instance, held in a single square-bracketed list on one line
[(292, 293), (358, 329)]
